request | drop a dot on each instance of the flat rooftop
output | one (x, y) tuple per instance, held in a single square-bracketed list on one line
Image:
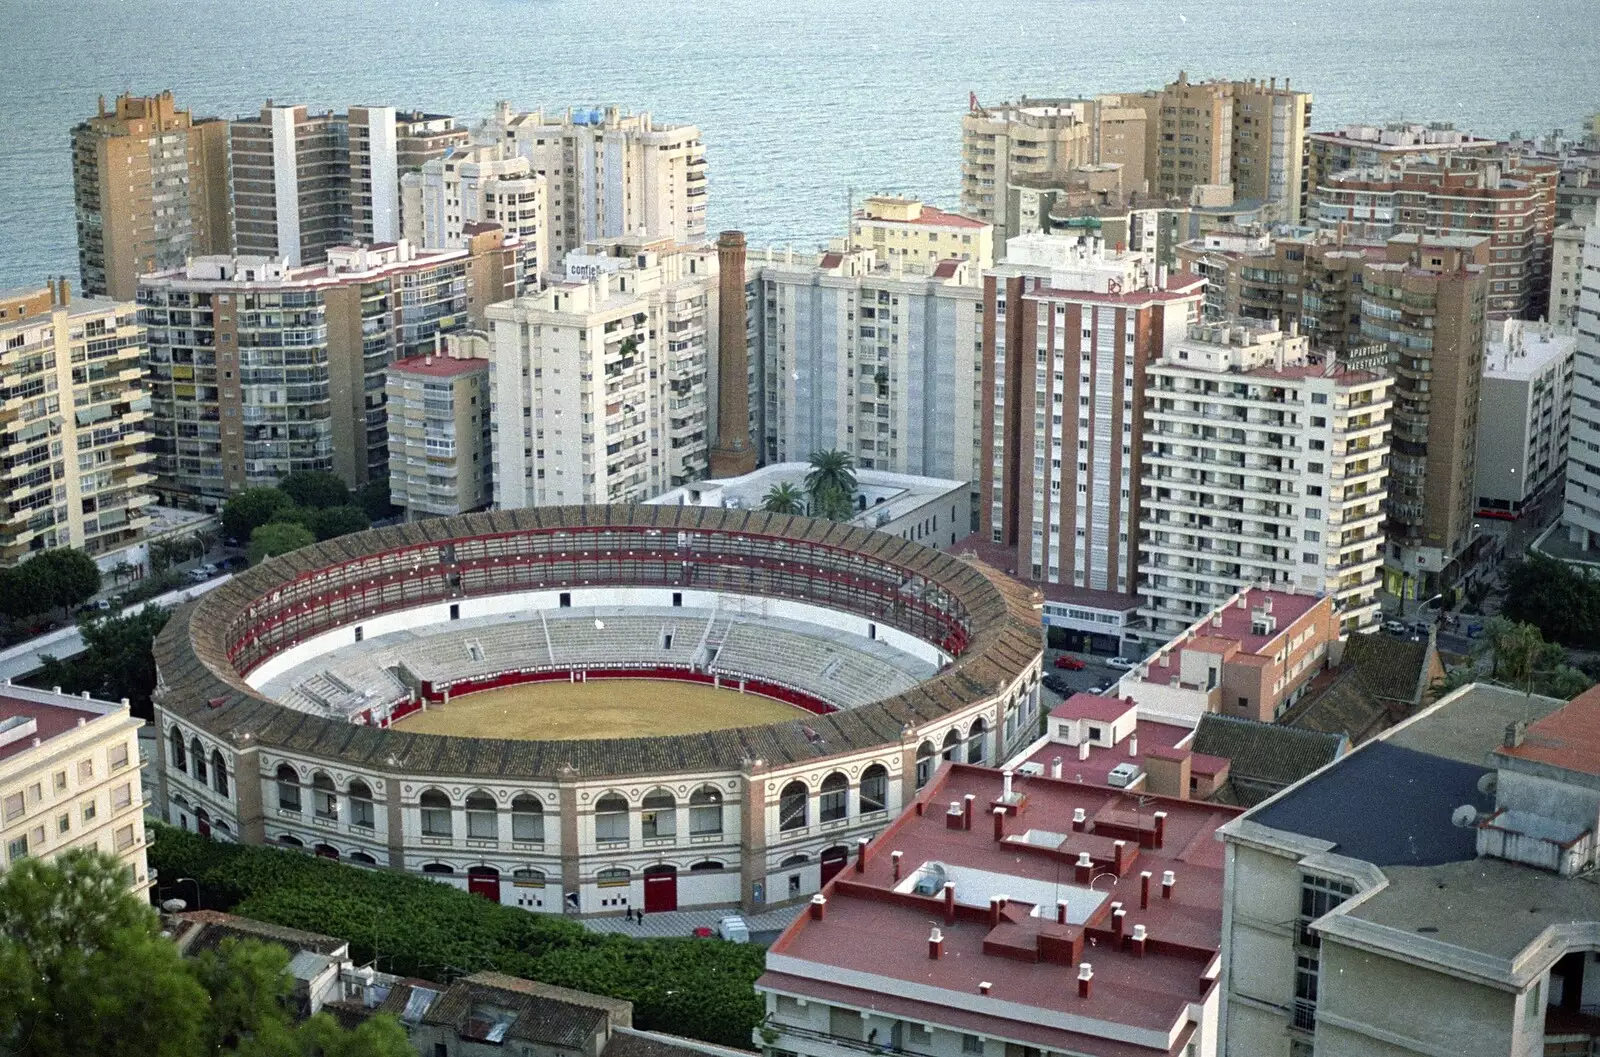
[(1138, 1003), (50, 714), (1152, 736), (888, 496), (439, 366)]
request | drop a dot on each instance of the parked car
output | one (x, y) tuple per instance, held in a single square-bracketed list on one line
[(1100, 688), (1395, 627), (233, 561), (1123, 664), (734, 929), (1070, 663), (201, 574), (1058, 685)]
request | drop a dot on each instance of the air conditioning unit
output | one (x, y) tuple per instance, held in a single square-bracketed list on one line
[(1031, 769), (1124, 775)]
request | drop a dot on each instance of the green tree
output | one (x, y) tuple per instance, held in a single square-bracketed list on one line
[(374, 499), (1562, 601), (23, 592), (1523, 659), (116, 661), (333, 521), (784, 498), (378, 1037), (250, 509), (65, 577), (250, 987), (279, 537), (832, 484), (84, 968), (163, 555), (316, 489)]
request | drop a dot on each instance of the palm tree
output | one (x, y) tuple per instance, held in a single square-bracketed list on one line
[(784, 498), (832, 484)]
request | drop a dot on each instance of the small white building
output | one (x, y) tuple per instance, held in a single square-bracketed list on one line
[(933, 511), (1524, 414)]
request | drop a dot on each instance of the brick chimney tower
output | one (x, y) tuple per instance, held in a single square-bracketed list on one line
[(733, 454)]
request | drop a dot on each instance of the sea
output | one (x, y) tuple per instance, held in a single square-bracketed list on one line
[(805, 105)]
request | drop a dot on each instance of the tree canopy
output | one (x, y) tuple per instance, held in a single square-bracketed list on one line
[(84, 969), (248, 510), (278, 537), (1561, 600), (316, 489), (784, 498), (327, 522), (1523, 659), (116, 661), (832, 484)]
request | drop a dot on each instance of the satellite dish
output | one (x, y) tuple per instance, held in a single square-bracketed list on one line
[(1464, 816), (1488, 783), (174, 906)]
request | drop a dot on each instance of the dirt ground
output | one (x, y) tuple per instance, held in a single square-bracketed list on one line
[(605, 708)]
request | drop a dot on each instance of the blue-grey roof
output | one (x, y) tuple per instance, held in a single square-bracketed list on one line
[(1387, 805)]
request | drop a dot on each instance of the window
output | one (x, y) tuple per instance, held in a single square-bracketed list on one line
[(438, 868), (925, 764), (64, 823), (121, 797), (197, 753), (952, 745), (971, 1044), (975, 738), (1318, 896), (435, 814), (483, 818), (219, 773), (611, 818), (1319, 398), (874, 789), (792, 806), (177, 756), (89, 811), (324, 797), (124, 838), (834, 804), (613, 877), (85, 770), (1317, 445), (17, 849), (1318, 422), (527, 819), (288, 789), (59, 780), (14, 807), (529, 877), (660, 815), (361, 811), (118, 758), (1306, 968), (705, 811)]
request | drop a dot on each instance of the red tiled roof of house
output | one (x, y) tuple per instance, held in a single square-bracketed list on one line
[(1568, 738)]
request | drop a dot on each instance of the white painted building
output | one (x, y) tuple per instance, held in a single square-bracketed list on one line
[(1524, 413), (1566, 277), (1582, 512), (598, 382), (481, 185), (1263, 464), (927, 510)]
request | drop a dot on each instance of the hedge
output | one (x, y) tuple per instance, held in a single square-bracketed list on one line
[(699, 988)]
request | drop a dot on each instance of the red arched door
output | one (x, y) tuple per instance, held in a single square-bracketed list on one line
[(325, 851), (484, 881), (833, 860), (660, 889)]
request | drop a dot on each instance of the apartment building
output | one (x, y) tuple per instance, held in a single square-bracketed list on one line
[(1430, 892), (76, 469), (611, 174), (1511, 206), (1037, 137), (992, 935), (438, 423), (850, 352), (920, 236), (1524, 415), (1566, 276), (258, 369), (598, 382), (69, 779), (1263, 464), (1368, 146), (1428, 303), (1069, 330), (1250, 656), (1581, 515), (289, 175), (150, 188), (480, 185)]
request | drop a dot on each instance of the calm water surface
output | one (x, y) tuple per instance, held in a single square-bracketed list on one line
[(799, 100)]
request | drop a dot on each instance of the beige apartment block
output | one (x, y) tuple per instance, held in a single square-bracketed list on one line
[(150, 188), (1264, 463), (1034, 137), (611, 174), (289, 173), (1566, 277), (258, 369), (75, 410), (599, 381), (477, 185), (69, 778), (1428, 302), (438, 408), (915, 237), (1365, 146)]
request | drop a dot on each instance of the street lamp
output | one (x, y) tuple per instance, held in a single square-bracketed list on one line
[(196, 884)]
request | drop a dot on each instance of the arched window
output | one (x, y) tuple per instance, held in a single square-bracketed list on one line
[(290, 842), (793, 861), (324, 797), (202, 822), (437, 868), (435, 814), (325, 851), (178, 758), (361, 810), (288, 789), (708, 864), (792, 806), (952, 745), (361, 858), (925, 764), (612, 877), (874, 789), (221, 827), (975, 740), (219, 772), (483, 818), (527, 819), (197, 753), (834, 803), (528, 876), (611, 818), (660, 815), (705, 811)]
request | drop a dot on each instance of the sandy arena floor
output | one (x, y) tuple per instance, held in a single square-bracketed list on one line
[(605, 708)]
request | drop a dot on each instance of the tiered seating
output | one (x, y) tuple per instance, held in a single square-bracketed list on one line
[(349, 686), (828, 670), (623, 640)]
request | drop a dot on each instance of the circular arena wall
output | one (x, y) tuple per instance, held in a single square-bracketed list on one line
[(748, 816)]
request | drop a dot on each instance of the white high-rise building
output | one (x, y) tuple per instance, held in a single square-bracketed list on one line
[(1582, 515), (1524, 414), (483, 184), (612, 174), (598, 382), (1263, 464)]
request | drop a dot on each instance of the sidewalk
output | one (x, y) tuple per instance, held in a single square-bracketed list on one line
[(682, 923)]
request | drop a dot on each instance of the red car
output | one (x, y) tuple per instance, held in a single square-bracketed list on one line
[(1071, 664)]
